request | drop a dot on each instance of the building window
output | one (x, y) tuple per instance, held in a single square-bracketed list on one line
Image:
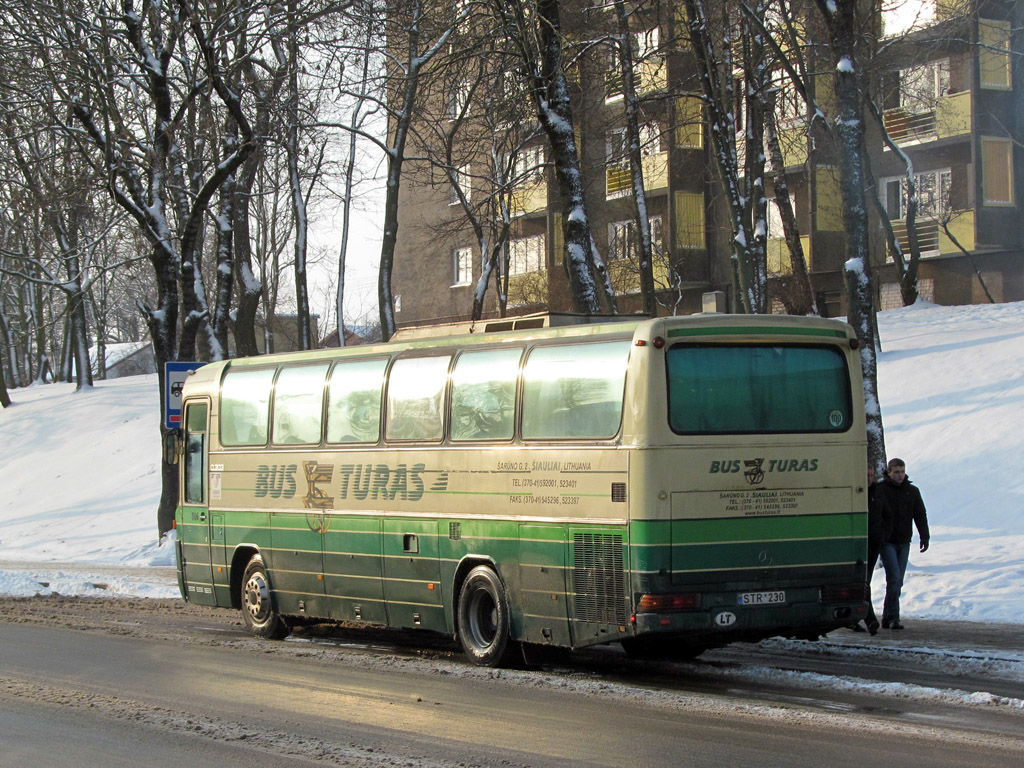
[(526, 254), (458, 99), (997, 171), (462, 266), (624, 240), (932, 194), (462, 182), (775, 229), (646, 43), (790, 107), (994, 54), (618, 178), (528, 166), (647, 65), (921, 87), (690, 122), (690, 220)]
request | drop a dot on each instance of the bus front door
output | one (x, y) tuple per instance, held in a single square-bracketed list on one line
[(194, 529)]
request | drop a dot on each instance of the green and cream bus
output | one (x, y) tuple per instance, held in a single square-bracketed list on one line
[(671, 484)]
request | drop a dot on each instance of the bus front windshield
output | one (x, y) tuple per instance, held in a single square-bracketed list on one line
[(757, 389)]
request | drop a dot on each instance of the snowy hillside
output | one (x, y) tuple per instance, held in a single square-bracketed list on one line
[(80, 471)]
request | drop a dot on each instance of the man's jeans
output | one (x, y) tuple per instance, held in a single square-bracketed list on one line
[(894, 561)]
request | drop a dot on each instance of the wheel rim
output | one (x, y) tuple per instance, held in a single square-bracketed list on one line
[(257, 598), (483, 619)]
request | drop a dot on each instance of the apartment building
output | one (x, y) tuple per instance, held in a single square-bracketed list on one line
[(950, 97)]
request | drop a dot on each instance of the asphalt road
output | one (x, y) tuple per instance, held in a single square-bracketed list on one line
[(155, 683)]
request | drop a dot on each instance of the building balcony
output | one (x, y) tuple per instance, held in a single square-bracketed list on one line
[(651, 75), (777, 254), (625, 275), (528, 288), (530, 197), (618, 180), (931, 236), (950, 117)]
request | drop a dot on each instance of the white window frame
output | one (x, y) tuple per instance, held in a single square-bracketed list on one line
[(926, 208), (921, 87), (528, 165), (464, 182), (625, 232), (462, 266), (458, 99), (645, 47), (526, 255)]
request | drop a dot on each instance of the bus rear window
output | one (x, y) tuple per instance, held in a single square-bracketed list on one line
[(752, 389)]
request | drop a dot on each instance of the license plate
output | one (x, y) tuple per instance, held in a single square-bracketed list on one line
[(761, 598)]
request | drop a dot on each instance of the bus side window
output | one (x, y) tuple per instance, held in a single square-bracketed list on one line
[(574, 390), (195, 453), (416, 398), (484, 394), (245, 406), (298, 404), (353, 401)]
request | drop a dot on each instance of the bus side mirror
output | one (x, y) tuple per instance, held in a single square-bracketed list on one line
[(172, 440)]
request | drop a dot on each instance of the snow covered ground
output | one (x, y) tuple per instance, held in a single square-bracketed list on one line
[(79, 480)]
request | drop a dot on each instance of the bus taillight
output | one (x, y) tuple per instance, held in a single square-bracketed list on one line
[(686, 601)]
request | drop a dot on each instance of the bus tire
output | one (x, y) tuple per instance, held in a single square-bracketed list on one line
[(257, 604), (483, 619)]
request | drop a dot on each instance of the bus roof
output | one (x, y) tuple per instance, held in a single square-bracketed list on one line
[(568, 326)]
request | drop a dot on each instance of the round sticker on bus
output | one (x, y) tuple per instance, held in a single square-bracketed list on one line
[(835, 418), (725, 619)]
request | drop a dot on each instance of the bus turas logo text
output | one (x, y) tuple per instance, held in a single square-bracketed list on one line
[(276, 480), (379, 481), (755, 470)]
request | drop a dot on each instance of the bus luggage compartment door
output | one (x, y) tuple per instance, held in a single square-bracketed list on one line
[(412, 574), (599, 604)]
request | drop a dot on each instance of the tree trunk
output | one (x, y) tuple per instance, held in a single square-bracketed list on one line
[(303, 337), (250, 290), (5, 399), (841, 17), (645, 250), (551, 98), (800, 294)]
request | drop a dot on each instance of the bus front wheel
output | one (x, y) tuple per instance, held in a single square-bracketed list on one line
[(257, 605), (484, 626)]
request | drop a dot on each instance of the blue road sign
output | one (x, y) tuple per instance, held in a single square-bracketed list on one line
[(174, 380)]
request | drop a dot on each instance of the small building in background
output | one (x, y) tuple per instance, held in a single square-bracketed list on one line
[(128, 358)]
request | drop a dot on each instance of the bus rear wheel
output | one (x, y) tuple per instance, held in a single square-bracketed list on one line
[(257, 604), (483, 619)]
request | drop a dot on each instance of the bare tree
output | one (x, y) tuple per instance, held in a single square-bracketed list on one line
[(131, 80), (627, 68), (715, 41), (534, 28), (843, 24)]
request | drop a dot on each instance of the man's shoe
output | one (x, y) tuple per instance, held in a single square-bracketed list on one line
[(885, 624), (857, 627), (873, 627), (896, 625)]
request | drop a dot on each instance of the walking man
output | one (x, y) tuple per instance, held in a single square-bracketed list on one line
[(907, 509)]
